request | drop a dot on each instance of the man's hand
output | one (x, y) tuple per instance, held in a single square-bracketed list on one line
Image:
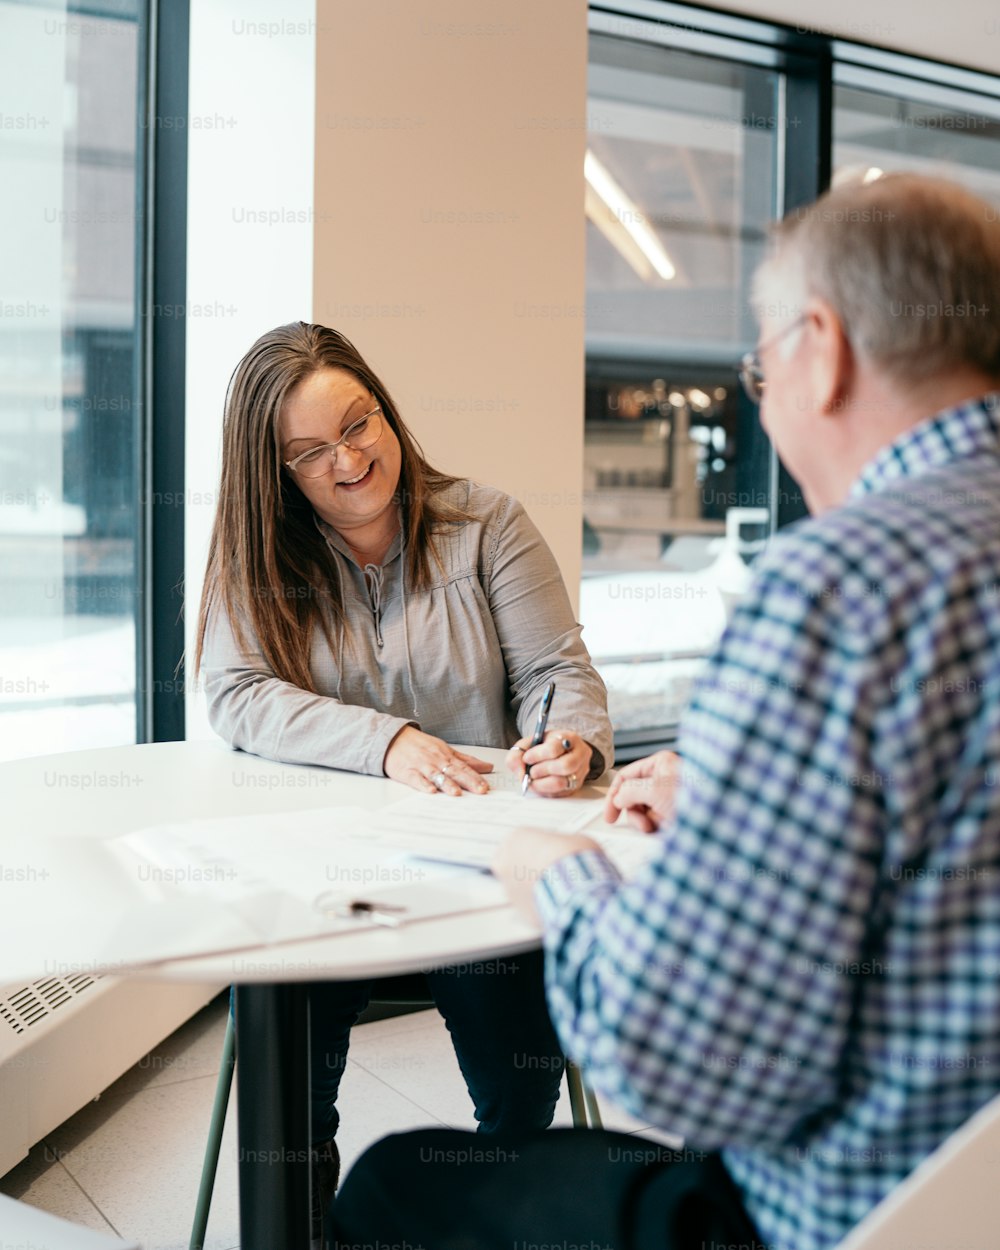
[(644, 791), (523, 857)]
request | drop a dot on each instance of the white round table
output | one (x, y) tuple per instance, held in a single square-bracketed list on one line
[(115, 790)]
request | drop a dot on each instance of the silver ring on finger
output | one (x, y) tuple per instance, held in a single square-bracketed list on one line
[(571, 781), (439, 779), (566, 745)]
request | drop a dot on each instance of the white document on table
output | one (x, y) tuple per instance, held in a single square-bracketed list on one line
[(468, 828), (297, 874), (190, 888), (175, 891), (485, 813)]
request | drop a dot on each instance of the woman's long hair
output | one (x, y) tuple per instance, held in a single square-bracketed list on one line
[(269, 566)]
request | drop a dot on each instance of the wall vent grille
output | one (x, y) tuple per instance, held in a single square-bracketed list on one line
[(26, 1005)]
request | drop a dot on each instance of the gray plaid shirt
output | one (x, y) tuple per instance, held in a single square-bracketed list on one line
[(807, 975)]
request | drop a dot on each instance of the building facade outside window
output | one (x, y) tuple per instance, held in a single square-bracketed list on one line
[(69, 411)]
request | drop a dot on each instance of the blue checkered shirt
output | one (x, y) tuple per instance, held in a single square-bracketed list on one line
[(807, 974)]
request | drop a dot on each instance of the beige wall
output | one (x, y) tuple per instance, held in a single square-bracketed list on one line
[(449, 232), (965, 33)]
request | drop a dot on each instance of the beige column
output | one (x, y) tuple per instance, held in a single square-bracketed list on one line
[(449, 231)]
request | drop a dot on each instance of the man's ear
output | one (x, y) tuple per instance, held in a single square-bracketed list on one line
[(831, 360)]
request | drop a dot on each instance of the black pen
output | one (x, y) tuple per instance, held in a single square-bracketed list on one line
[(539, 735)]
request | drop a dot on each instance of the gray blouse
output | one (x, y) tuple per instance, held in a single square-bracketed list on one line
[(466, 659)]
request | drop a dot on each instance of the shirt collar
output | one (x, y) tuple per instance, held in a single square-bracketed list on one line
[(968, 429), (334, 539)]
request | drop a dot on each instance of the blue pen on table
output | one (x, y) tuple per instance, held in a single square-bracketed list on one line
[(539, 735)]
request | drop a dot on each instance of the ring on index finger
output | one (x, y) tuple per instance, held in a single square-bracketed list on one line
[(566, 745)]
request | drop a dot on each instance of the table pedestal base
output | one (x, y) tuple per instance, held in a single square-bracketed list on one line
[(272, 1089)]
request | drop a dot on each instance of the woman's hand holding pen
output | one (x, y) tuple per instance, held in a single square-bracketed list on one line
[(559, 764), (430, 765)]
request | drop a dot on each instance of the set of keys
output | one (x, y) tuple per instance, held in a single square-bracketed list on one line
[(386, 914)]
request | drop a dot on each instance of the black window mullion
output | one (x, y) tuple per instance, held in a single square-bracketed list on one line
[(144, 107), (160, 687), (806, 172)]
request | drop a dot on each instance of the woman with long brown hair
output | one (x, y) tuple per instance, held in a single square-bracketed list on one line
[(363, 610)]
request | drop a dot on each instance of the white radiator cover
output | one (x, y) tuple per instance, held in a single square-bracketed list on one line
[(65, 1039)]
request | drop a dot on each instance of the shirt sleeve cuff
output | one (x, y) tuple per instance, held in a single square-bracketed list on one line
[(597, 765), (571, 875), (389, 731)]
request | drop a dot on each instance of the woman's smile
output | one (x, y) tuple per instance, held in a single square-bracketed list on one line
[(358, 482)]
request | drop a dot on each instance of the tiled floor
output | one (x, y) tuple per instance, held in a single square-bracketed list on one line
[(130, 1162)]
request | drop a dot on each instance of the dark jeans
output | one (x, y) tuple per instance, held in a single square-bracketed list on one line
[(441, 1189), (495, 1011)]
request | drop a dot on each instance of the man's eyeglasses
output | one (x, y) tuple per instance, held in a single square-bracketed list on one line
[(358, 436), (751, 371)]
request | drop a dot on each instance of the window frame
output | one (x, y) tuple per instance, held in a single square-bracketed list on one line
[(161, 274)]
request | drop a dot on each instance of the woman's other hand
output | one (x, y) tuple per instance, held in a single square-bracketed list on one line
[(429, 764), (559, 764)]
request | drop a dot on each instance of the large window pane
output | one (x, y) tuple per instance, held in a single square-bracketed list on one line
[(68, 411), (681, 184), (944, 136)]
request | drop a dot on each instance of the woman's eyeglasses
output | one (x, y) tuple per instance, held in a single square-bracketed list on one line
[(358, 436)]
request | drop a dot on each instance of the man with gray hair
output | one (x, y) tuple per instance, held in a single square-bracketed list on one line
[(804, 981)]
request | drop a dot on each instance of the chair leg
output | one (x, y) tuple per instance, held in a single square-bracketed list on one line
[(582, 1099), (577, 1101), (592, 1107), (214, 1143)]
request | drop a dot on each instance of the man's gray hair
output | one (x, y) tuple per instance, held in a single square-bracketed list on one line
[(911, 266)]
